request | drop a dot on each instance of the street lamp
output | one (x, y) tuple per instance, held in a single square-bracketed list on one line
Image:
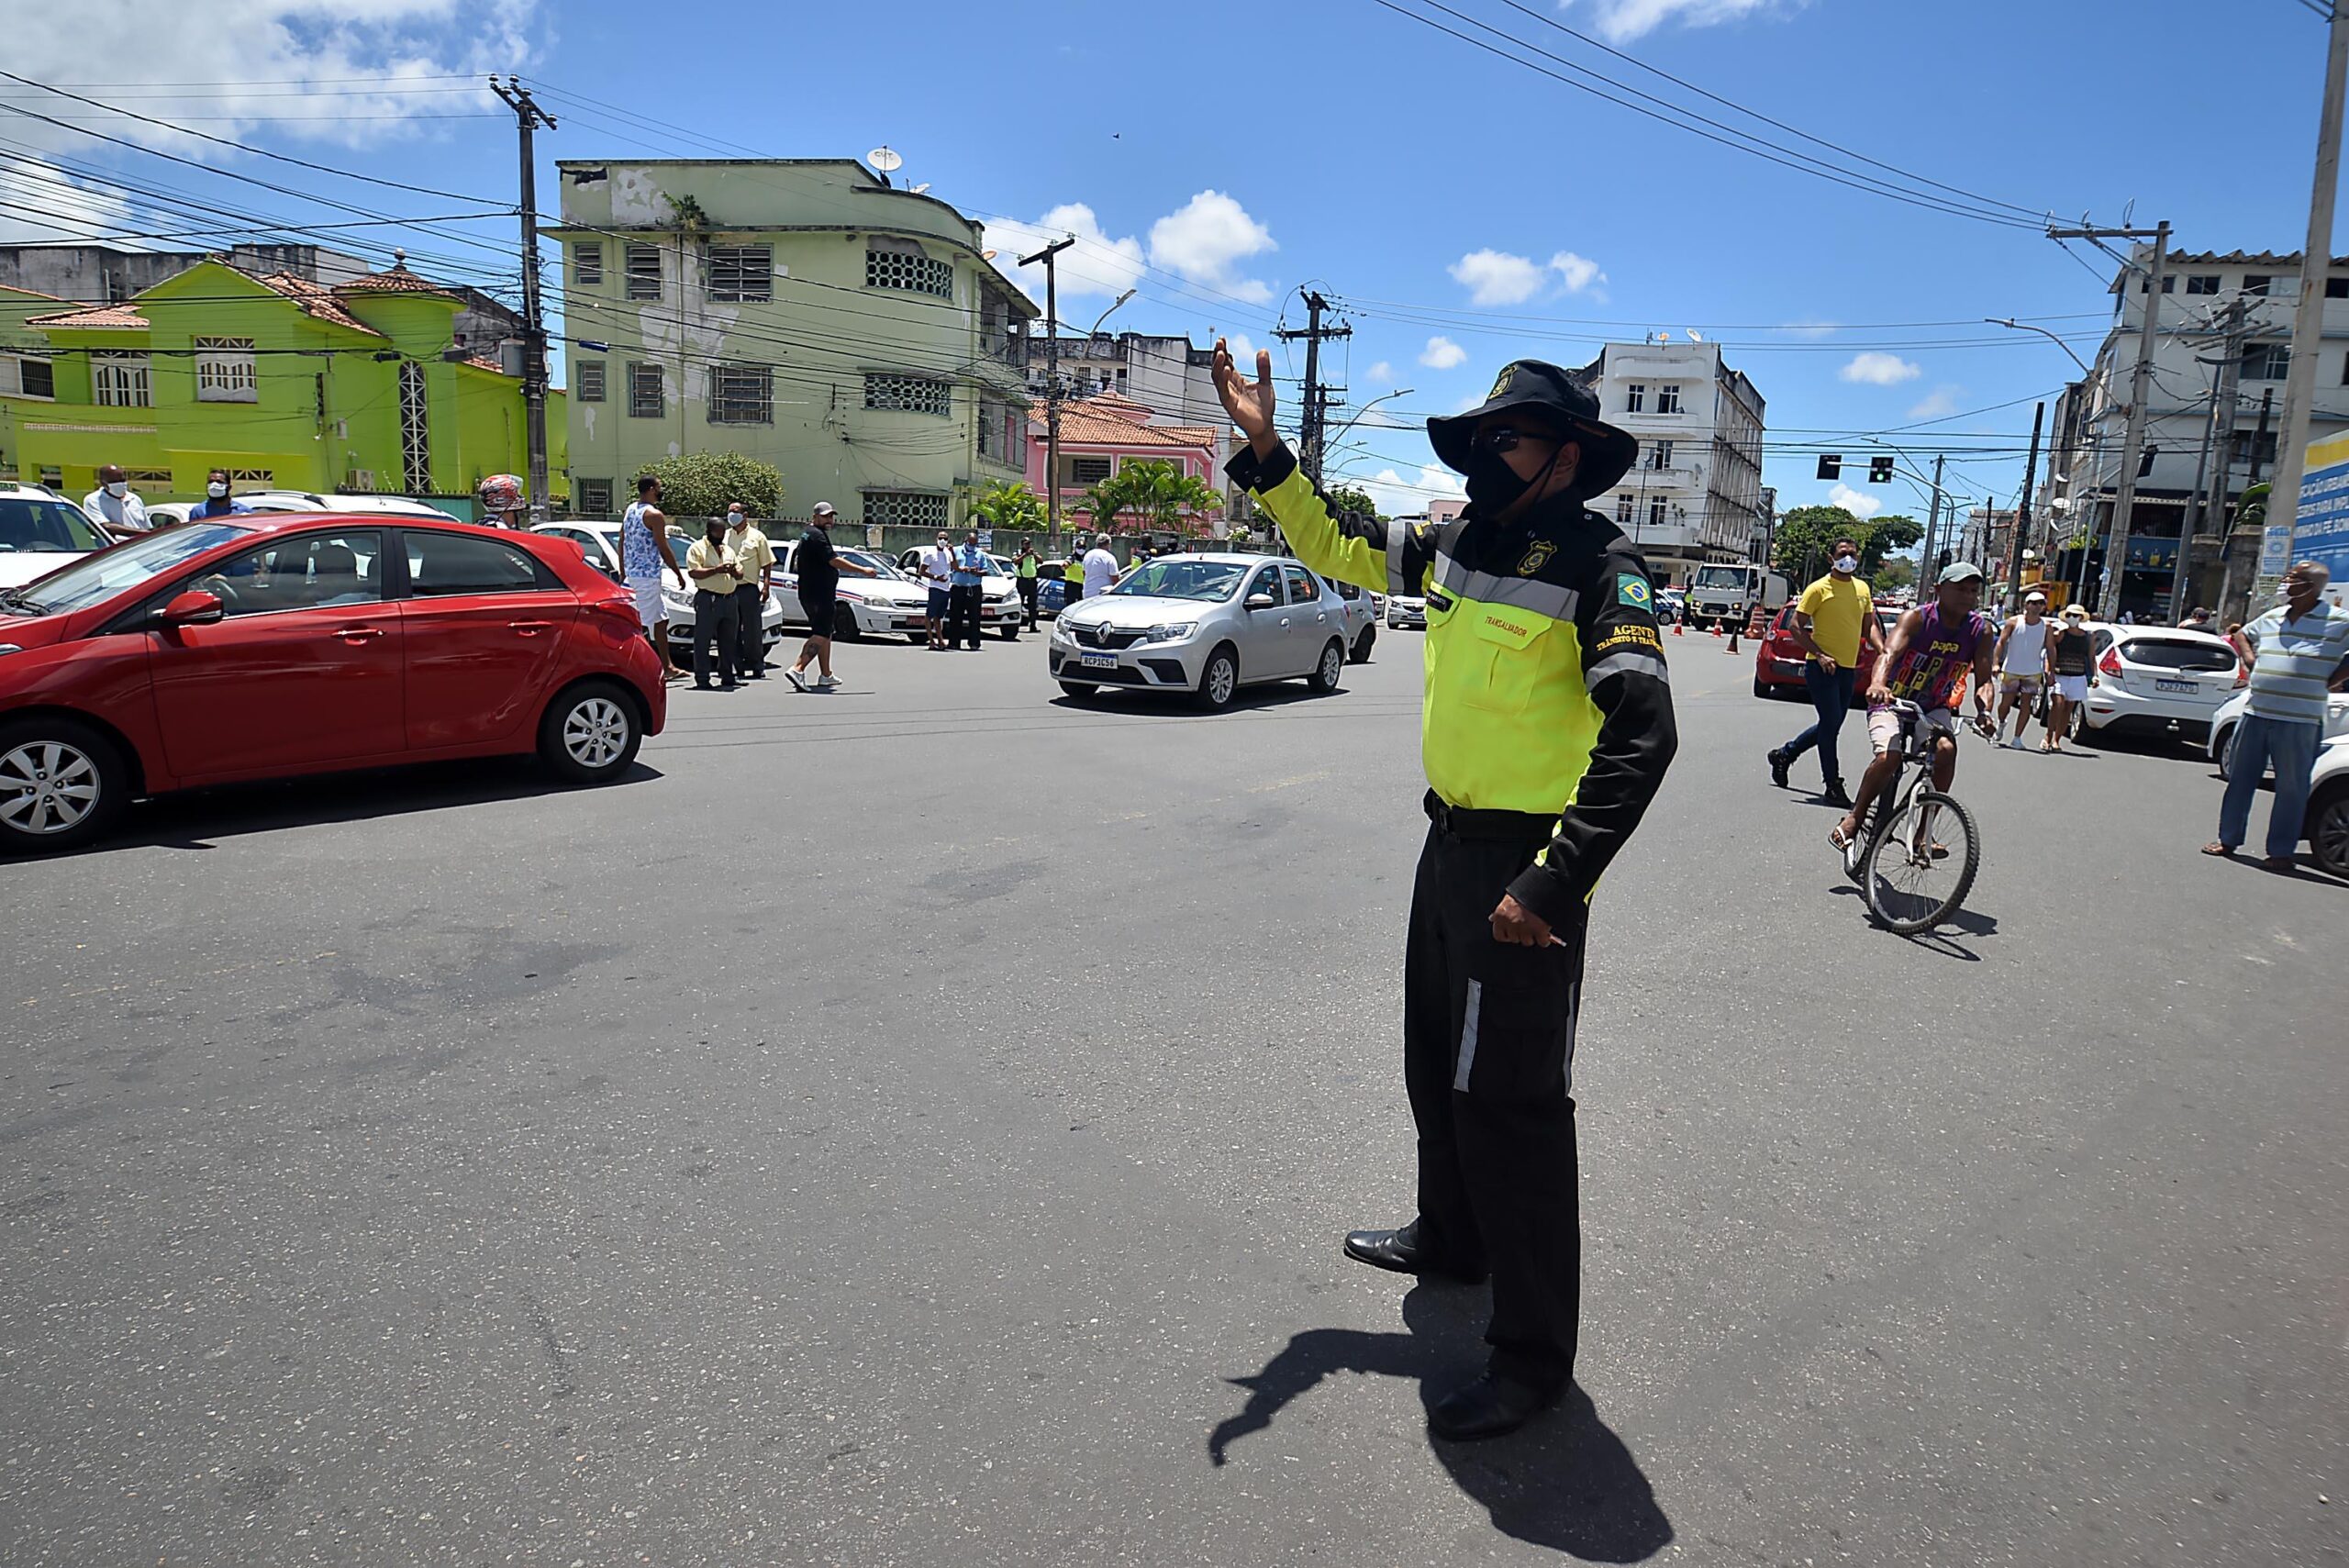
[(1105, 314), (2027, 326), (1398, 391)]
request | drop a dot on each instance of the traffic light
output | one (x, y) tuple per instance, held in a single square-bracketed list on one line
[(1880, 471), (1831, 466)]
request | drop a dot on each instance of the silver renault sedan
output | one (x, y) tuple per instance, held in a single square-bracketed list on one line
[(1206, 625)]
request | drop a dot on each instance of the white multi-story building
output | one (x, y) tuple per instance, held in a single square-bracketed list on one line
[(2200, 369), (1694, 494)]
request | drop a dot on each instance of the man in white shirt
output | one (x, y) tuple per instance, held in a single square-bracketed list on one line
[(114, 506), (1101, 567), (2022, 666), (938, 576)]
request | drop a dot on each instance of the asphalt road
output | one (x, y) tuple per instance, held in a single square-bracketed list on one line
[(914, 1125)]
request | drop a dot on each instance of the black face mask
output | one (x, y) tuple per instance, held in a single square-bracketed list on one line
[(1493, 487)]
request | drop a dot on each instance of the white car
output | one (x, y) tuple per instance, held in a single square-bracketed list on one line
[(2327, 828), (1407, 609), (600, 543), (887, 604), (2155, 680), (2223, 722), (1361, 618), (1001, 611), (40, 531), (1203, 624), (269, 502)]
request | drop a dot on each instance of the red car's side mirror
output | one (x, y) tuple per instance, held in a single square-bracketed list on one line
[(195, 608)]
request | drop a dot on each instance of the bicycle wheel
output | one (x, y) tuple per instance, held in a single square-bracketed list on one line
[(1910, 887)]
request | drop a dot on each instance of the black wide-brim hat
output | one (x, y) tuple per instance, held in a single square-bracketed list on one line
[(1607, 454)]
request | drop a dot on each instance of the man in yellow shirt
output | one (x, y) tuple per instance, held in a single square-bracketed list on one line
[(755, 556), (716, 575), (1834, 620)]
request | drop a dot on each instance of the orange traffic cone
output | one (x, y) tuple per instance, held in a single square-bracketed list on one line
[(1678, 629)]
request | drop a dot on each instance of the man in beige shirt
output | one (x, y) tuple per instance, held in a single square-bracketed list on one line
[(755, 556), (716, 575)]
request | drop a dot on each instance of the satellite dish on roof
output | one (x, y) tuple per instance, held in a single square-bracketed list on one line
[(1692, 336), (921, 189), (884, 160)]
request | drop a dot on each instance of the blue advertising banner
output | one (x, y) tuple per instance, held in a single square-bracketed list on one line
[(2321, 530)]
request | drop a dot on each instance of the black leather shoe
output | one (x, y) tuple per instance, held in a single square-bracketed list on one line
[(1778, 766), (1401, 1251), (1834, 795), (1488, 1407)]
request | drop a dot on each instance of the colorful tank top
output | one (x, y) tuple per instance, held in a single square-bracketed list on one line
[(1932, 671)]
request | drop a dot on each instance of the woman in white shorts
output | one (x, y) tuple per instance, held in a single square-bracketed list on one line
[(2070, 661)]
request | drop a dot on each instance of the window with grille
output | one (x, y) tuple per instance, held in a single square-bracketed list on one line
[(741, 274), (587, 263), (2266, 362), (26, 376), (416, 431), (224, 370), (905, 508), (587, 381), (596, 497), (119, 380), (644, 271), (911, 271), (1087, 470), (909, 394), (1635, 397), (2202, 283), (1667, 398), (741, 395), (253, 475), (647, 395)]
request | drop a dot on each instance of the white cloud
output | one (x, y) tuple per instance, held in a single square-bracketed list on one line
[(1095, 265), (1855, 502), (1202, 238), (1397, 496), (1442, 354), (1499, 277), (1621, 21), (76, 208), (1879, 369), (226, 43), (1243, 350), (1937, 404), (1381, 371)]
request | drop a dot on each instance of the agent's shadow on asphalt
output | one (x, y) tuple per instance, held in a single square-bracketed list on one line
[(1565, 1482)]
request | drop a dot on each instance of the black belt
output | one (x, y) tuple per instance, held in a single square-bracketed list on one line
[(1460, 822)]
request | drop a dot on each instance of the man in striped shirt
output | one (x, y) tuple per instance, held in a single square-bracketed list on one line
[(2299, 649)]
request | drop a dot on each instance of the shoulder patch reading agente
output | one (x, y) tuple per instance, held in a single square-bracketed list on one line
[(1631, 589)]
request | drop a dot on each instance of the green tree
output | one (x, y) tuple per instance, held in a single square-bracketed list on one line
[(1010, 506), (1897, 572), (1154, 493), (1347, 499), (699, 484), (1807, 539)]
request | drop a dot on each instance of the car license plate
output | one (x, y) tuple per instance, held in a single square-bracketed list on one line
[(2187, 687), (1098, 660)]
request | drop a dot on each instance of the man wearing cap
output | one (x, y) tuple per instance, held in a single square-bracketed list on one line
[(1934, 649), (2021, 657), (2071, 664), (2300, 651), (1546, 729), (818, 567)]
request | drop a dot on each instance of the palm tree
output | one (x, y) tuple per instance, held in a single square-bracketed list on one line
[(1162, 492), (1011, 507)]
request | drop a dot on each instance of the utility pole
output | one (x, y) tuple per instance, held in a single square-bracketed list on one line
[(2237, 540), (2022, 511), (2316, 264), (1932, 528), (1316, 409), (2124, 505), (2232, 323), (528, 115), (1051, 385)]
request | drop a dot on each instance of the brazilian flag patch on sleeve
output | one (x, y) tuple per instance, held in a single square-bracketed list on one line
[(1631, 589)]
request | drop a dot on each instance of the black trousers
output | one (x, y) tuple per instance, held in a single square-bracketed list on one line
[(1028, 597), (1488, 1035), (713, 635), (962, 614), (750, 645)]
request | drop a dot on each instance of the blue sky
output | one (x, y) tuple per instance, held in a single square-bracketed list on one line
[(1226, 153)]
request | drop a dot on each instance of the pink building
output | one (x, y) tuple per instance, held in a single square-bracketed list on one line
[(1101, 435)]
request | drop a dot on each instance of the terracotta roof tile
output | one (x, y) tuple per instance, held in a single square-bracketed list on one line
[(398, 279), (123, 316), (315, 300), (1078, 424)]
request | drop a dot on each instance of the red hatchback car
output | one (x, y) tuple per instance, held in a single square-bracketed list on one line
[(1778, 658), (231, 649)]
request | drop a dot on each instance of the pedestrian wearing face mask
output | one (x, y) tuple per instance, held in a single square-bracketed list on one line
[(217, 502), (1834, 620), (115, 504), (1547, 729)]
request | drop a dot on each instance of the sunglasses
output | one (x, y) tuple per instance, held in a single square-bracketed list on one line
[(1507, 439)]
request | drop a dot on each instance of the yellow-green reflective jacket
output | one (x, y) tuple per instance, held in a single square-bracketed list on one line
[(1546, 691)]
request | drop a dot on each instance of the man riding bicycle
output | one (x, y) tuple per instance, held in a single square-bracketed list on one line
[(1933, 649)]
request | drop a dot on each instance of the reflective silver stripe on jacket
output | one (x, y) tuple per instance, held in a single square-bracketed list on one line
[(1519, 593), (1625, 662), (1398, 540)]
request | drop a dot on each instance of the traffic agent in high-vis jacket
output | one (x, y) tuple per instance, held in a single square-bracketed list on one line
[(1546, 729)]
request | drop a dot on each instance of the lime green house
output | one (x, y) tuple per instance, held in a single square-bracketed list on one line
[(282, 381)]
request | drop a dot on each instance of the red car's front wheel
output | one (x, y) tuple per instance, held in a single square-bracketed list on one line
[(62, 783)]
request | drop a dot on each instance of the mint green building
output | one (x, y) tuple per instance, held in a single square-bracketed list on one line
[(800, 311)]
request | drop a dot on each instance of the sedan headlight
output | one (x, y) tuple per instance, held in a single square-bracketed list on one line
[(1066, 629), (1173, 631)]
